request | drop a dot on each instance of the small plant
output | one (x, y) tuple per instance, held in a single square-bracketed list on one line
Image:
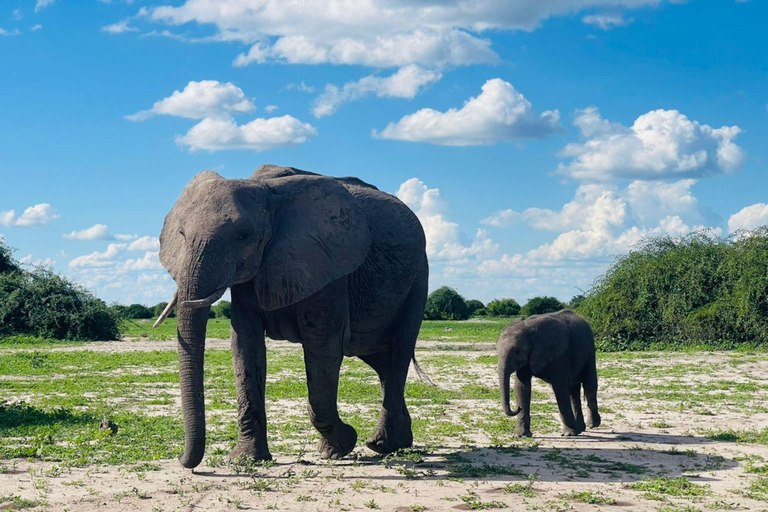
[(371, 504), (474, 503), (593, 498), (679, 487)]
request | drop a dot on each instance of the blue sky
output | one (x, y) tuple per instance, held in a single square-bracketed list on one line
[(534, 139)]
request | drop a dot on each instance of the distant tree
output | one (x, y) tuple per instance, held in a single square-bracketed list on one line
[(446, 304), (223, 309), (503, 307), (541, 305), (137, 311), (160, 307), (576, 301), (7, 263), (481, 312), (474, 305)]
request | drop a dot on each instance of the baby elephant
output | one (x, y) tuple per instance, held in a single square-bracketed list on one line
[(559, 349)]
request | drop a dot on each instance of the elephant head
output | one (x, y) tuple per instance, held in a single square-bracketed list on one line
[(534, 342), (290, 236)]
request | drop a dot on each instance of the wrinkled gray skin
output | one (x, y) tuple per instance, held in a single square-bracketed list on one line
[(331, 263), (558, 348)]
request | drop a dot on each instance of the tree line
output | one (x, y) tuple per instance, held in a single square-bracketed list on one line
[(446, 303)]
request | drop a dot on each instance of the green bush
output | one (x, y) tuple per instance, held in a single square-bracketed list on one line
[(503, 307), (223, 309), (43, 304), (446, 304), (698, 290), (576, 301), (541, 305), (160, 307), (474, 306), (137, 311)]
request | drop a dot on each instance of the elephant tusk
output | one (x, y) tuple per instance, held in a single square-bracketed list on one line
[(167, 311), (203, 303)]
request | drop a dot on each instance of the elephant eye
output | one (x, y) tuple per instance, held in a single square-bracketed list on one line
[(242, 236)]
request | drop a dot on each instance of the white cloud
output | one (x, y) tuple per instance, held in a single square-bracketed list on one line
[(95, 232), (98, 259), (607, 21), (36, 262), (207, 98), (499, 113), (405, 83), (9, 33), (121, 27), (301, 87), (126, 237), (444, 241), (16, 14), (42, 4), (749, 218), (145, 243), (661, 144), (270, 108), (260, 134), (372, 33), (37, 215), (36, 27), (215, 103), (150, 261), (8, 218)]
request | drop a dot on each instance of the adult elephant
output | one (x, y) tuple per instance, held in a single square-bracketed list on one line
[(331, 263)]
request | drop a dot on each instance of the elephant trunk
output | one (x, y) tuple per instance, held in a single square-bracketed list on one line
[(505, 371), (191, 335)]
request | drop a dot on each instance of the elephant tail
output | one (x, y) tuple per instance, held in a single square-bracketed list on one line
[(423, 377)]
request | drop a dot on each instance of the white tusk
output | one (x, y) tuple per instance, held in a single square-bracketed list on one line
[(167, 311), (203, 303)]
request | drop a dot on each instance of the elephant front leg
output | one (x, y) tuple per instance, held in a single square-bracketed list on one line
[(338, 438), (523, 400), (249, 358), (590, 392)]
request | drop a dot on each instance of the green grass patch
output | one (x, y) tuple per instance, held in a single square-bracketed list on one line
[(678, 487), (740, 436)]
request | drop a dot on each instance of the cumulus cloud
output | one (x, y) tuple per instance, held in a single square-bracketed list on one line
[(750, 217), (373, 33), (499, 113), (607, 21), (207, 98), (37, 215), (215, 104), (444, 241), (145, 243), (405, 83), (271, 108), (258, 135), (661, 144), (9, 33), (98, 259), (95, 232)]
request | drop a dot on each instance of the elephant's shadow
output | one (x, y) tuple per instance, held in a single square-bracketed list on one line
[(596, 457)]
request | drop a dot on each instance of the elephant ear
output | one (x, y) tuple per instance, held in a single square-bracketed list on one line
[(320, 234), (550, 338)]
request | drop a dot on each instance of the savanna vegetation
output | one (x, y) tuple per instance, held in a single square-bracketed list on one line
[(699, 290)]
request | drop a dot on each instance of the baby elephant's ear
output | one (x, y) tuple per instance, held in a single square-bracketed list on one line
[(550, 341), (320, 234)]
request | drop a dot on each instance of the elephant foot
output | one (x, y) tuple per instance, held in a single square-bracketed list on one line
[(395, 434), (340, 442), (246, 449), (594, 421), (569, 432), (522, 432), (581, 427)]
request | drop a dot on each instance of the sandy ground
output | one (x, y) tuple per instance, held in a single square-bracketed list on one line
[(460, 475)]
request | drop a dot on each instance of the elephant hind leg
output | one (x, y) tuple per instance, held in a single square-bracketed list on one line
[(590, 392), (576, 406), (393, 430)]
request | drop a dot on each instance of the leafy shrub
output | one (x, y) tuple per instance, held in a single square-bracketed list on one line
[(576, 301), (446, 304), (137, 311), (481, 312), (474, 306), (223, 309), (701, 289), (160, 307), (541, 305), (503, 307), (43, 304)]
